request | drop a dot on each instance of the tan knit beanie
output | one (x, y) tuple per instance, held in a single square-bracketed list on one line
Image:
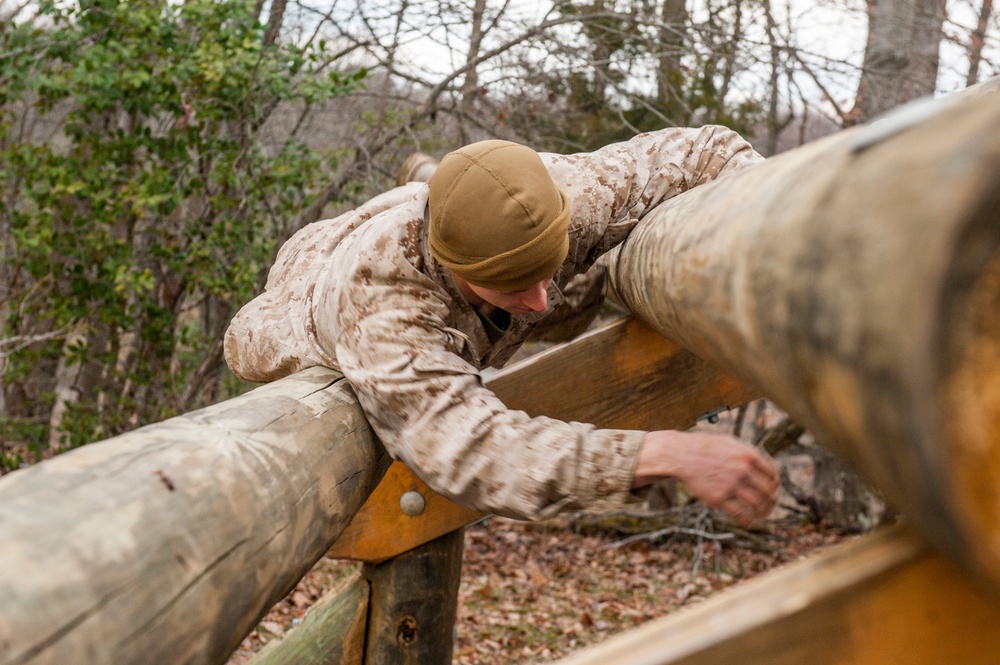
[(498, 220)]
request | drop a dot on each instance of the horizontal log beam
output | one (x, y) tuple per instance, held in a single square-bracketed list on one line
[(883, 598), (856, 282), (622, 375), (167, 544)]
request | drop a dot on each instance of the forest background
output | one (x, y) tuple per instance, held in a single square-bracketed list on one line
[(154, 154)]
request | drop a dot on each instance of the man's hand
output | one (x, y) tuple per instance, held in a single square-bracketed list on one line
[(723, 471)]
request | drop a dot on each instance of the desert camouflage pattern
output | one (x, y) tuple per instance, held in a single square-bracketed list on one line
[(362, 294)]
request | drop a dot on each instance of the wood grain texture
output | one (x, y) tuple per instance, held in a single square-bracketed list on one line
[(883, 598), (332, 632), (414, 598), (856, 281), (167, 544), (622, 375)]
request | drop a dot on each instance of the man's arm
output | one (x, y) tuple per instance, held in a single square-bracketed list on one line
[(612, 189), (723, 471), (431, 410)]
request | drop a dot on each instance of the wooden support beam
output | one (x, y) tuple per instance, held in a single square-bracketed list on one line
[(883, 598), (622, 375), (168, 544), (332, 633), (414, 598), (856, 282)]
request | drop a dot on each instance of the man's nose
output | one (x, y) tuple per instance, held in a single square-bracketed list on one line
[(537, 297)]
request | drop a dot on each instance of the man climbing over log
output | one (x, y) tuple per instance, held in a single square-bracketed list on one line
[(413, 293)]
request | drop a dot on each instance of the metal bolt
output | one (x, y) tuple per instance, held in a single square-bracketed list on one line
[(412, 503)]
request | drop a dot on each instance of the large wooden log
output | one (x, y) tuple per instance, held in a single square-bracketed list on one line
[(883, 598), (167, 544), (856, 282)]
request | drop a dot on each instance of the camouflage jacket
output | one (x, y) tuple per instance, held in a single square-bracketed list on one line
[(361, 293)]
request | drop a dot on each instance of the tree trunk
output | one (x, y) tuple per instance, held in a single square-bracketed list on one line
[(901, 59), (774, 123), (274, 19), (673, 44), (977, 40), (470, 80)]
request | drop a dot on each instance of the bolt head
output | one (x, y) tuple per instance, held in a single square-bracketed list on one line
[(412, 503)]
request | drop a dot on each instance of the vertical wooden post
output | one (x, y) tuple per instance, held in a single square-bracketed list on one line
[(413, 602)]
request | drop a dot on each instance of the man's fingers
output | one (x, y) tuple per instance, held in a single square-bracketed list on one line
[(766, 484), (752, 498), (740, 512), (763, 477)]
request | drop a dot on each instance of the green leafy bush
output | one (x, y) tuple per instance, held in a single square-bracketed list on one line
[(144, 184)]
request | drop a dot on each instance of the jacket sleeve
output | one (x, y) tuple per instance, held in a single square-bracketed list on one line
[(611, 189), (431, 410)]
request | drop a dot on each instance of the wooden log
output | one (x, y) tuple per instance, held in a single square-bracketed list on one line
[(622, 375), (167, 544), (332, 633), (413, 602), (856, 282), (883, 598)]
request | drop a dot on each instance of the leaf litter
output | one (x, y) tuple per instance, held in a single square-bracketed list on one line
[(533, 593)]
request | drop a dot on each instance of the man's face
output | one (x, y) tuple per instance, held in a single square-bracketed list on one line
[(532, 299)]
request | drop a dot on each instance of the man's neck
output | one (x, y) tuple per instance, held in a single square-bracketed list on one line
[(472, 298)]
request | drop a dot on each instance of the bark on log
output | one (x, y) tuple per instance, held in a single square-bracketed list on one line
[(856, 282), (167, 544), (332, 633)]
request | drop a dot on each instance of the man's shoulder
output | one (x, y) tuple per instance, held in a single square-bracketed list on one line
[(392, 237)]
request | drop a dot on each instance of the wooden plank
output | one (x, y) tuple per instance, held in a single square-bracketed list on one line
[(622, 375), (414, 598), (856, 282), (883, 598), (332, 633), (169, 543), (381, 530)]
